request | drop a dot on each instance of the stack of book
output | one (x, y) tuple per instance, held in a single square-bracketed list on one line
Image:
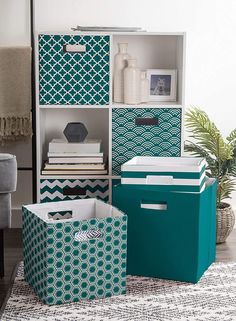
[(83, 158)]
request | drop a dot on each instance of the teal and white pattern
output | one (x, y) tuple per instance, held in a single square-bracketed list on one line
[(73, 78), (130, 140), (173, 173), (54, 189), (63, 268), (213, 298), (179, 185), (60, 215)]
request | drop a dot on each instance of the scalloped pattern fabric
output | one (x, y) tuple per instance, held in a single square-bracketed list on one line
[(130, 140)]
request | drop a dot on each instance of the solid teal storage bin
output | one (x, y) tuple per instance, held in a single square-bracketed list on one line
[(171, 235)]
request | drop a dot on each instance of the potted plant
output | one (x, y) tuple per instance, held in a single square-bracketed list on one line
[(205, 140)]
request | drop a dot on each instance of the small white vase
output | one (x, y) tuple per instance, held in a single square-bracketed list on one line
[(132, 78), (120, 63), (144, 87)]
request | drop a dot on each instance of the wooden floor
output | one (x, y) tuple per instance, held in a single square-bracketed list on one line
[(13, 254)]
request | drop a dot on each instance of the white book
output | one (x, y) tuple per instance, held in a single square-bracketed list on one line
[(87, 146), (65, 172), (74, 166), (75, 160), (54, 154)]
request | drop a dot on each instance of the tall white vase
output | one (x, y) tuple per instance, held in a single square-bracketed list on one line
[(119, 65), (144, 87), (132, 77)]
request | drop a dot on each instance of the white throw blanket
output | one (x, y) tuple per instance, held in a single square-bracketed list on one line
[(15, 93)]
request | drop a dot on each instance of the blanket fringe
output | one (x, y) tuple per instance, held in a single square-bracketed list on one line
[(15, 128)]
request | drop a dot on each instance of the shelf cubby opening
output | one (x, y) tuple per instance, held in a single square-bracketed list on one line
[(156, 52), (54, 121)]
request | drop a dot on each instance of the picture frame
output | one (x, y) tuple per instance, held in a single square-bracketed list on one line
[(162, 84)]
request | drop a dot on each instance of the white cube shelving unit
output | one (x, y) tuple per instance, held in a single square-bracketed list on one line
[(78, 87)]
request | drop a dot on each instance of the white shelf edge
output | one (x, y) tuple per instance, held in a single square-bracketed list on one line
[(111, 33), (151, 104), (74, 176), (74, 106), (78, 177), (117, 105)]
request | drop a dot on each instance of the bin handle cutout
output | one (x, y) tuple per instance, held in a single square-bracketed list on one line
[(146, 121), (75, 48), (82, 236), (60, 215), (159, 180), (74, 191), (160, 206)]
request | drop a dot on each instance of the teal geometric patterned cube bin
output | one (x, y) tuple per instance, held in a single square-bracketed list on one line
[(171, 235), (170, 173), (145, 132), (74, 69), (74, 250)]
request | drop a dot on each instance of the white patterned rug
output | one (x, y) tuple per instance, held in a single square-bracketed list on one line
[(147, 299)]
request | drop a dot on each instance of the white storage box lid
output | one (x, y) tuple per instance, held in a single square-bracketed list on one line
[(185, 174), (164, 164)]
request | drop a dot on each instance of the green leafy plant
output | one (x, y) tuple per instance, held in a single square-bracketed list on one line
[(206, 141)]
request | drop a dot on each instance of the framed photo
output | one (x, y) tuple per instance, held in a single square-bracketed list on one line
[(162, 84)]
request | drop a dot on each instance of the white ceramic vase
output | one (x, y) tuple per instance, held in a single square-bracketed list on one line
[(132, 78), (144, 87), (120, 63)]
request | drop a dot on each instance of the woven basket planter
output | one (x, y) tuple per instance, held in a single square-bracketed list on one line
[(225, 222)]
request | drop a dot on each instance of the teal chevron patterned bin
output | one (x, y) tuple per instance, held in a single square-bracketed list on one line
[(74, 69), (171, 235), (74, 250), (144, 132), (52, 190), (169, 173)]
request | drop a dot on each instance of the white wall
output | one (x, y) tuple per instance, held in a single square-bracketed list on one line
[(14, 22), (211, 41), (14, 30)]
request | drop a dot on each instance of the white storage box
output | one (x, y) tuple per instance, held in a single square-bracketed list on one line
[(74, 250), (171, 173)]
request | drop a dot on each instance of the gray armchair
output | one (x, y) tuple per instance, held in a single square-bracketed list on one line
[(8, 179)]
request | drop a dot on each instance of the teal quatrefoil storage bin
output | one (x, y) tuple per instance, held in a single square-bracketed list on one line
[(74, 69), (74, 250), (171, 235)]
